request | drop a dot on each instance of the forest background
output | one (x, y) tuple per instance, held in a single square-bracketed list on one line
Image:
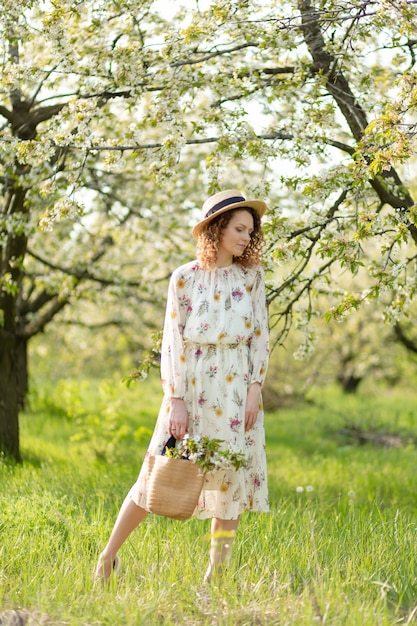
[(120, 118)]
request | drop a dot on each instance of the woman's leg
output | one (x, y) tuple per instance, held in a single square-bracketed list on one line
[(129, 517), (223, 532)]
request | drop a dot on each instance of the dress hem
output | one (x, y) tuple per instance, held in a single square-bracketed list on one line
[(202, 514)]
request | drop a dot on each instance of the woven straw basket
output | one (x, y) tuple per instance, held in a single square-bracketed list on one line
[(174, 487)]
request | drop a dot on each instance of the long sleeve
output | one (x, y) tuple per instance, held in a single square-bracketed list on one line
[(259, 346), (173, 362)]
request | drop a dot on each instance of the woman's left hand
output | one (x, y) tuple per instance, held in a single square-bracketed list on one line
[(178, 418), (252, 405)]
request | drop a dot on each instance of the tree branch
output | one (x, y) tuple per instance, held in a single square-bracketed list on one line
[(37, 325), (26, 306), (42, 114), (217, 53), (326, 64), (276, 136), (308, 254), (111, 322), (82, 274), (406, 341), (388, 185), (6, 113)]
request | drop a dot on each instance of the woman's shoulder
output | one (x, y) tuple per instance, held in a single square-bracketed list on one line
[(186, 271)]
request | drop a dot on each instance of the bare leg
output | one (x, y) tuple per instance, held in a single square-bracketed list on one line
[(223, 532), (129, 517)]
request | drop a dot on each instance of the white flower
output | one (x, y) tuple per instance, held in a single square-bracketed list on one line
[(300, 489), (206, 453), (309, 488)]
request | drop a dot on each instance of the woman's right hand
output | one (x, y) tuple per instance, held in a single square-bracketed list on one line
[(178, 418)]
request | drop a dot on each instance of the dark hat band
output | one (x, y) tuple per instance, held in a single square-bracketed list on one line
[(223, 203)]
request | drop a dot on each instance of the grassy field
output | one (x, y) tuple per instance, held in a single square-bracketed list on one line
[(337, 548)]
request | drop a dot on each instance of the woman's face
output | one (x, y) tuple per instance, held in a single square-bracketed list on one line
[(235, 237)]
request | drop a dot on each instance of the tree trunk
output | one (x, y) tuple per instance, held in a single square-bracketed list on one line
[(349, 382), (9, 395), (12, 254), (22, 372)]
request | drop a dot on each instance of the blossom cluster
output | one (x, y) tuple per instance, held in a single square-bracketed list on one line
[(206, 453)]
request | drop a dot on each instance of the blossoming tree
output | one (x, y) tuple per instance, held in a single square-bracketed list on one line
[(118, 118)]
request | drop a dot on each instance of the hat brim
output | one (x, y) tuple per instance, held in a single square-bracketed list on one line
[(259, 206)]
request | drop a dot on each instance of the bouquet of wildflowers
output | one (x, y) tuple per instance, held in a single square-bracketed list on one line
[(206, 453)]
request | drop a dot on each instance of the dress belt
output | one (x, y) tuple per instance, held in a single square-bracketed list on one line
[(223, 346)]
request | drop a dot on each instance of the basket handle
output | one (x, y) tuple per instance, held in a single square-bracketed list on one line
[(169, 444)]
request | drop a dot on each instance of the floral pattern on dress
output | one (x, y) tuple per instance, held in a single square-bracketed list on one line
[(215, 344)]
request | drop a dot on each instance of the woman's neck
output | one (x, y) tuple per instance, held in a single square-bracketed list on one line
[(224, 260)]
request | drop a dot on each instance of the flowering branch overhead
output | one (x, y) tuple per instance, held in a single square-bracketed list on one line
[(116, 122)]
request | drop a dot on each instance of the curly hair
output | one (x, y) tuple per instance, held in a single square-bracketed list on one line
[(209, 240)]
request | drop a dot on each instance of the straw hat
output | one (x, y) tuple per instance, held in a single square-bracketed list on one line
[(226, 201)]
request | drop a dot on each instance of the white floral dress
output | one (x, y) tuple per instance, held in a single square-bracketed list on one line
[(215, 344)]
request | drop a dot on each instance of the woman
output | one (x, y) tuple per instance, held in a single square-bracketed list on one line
[(213, 364)]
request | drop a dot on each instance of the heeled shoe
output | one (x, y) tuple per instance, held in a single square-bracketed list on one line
[(99, 573)]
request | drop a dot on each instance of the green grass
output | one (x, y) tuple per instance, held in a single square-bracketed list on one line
[(337, 548)]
